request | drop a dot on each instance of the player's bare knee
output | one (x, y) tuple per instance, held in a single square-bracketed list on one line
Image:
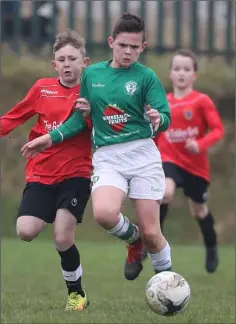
[(64, 229), (169, 192), (167, 198), (200, 214), (29, 227), (106, 214), (63, 241), (26, 234), (198, 211)]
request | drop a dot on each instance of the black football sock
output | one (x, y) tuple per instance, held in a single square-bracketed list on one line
[(207, 228), (72, 270)]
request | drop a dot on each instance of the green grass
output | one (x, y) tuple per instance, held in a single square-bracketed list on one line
[(33, 290)]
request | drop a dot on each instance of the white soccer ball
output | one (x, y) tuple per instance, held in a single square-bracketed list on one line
[(168, 293)]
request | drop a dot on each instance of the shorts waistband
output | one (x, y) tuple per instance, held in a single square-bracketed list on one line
[(124, 147)]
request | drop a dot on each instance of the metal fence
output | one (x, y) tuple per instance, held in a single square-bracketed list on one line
[(205, 26)]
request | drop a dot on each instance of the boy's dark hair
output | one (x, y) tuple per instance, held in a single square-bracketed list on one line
[(129, 24), (70, 37), (187, 53)]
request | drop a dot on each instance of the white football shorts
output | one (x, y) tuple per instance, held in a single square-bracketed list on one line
[(134, 167)]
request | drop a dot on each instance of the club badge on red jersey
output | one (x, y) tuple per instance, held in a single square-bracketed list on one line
[(188, 114)]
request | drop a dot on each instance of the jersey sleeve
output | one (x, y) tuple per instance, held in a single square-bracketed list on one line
[(72, 126), (156, 98), (20, 113), (83, 86), (214, 123), (76, 123)]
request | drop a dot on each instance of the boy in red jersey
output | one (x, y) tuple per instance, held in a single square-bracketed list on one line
[(58, 179), (195, 127)]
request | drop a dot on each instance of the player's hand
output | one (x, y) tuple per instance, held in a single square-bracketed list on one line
[(83, 106), (154, 116), (35, 146), (192, 146)]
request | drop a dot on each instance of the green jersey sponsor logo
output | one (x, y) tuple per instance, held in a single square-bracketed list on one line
[(115, 117)]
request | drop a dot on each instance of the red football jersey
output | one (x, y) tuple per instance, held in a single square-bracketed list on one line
[(192, 117), (53, 103)]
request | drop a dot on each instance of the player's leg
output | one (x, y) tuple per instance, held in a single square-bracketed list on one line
[(168, 197), (173, 179), (34, 212), (148, 213), (108, 193), (107, 201), (205, 221), (196, 191), (147, 192), (28, 227), (64, 232), (73, 195)]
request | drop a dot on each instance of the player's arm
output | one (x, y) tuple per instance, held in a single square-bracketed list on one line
[(20, 113), (215, 125), (156, 98), (76, 123), (72, 126)]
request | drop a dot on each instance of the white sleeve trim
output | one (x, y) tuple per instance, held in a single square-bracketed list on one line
[(62, 137), (162, 120)]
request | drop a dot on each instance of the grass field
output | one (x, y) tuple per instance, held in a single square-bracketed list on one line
[(33, 290)]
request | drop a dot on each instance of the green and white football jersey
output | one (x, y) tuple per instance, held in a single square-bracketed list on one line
[(118, 98)]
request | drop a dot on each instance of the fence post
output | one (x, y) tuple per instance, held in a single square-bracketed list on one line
[(35, 37), (107, 21), (89, 26), (211, 27), (228, 38), (194, 33), (17, 29), (142, 10), (177, 25), (124, 6), (160, 26), (53, 23), (71, 15)]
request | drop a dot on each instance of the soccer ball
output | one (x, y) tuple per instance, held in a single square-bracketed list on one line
[(167, 293)]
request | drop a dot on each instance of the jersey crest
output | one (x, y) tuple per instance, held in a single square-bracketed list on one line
[(131, 88), (188, 114)]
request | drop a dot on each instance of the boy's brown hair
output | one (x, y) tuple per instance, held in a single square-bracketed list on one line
[(129, 24), (70, 37), (187, 53)]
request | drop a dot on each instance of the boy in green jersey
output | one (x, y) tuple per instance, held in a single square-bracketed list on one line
[(127, 105)]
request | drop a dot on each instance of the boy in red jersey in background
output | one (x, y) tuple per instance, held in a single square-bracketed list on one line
[(58, 179), (195, 127)]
